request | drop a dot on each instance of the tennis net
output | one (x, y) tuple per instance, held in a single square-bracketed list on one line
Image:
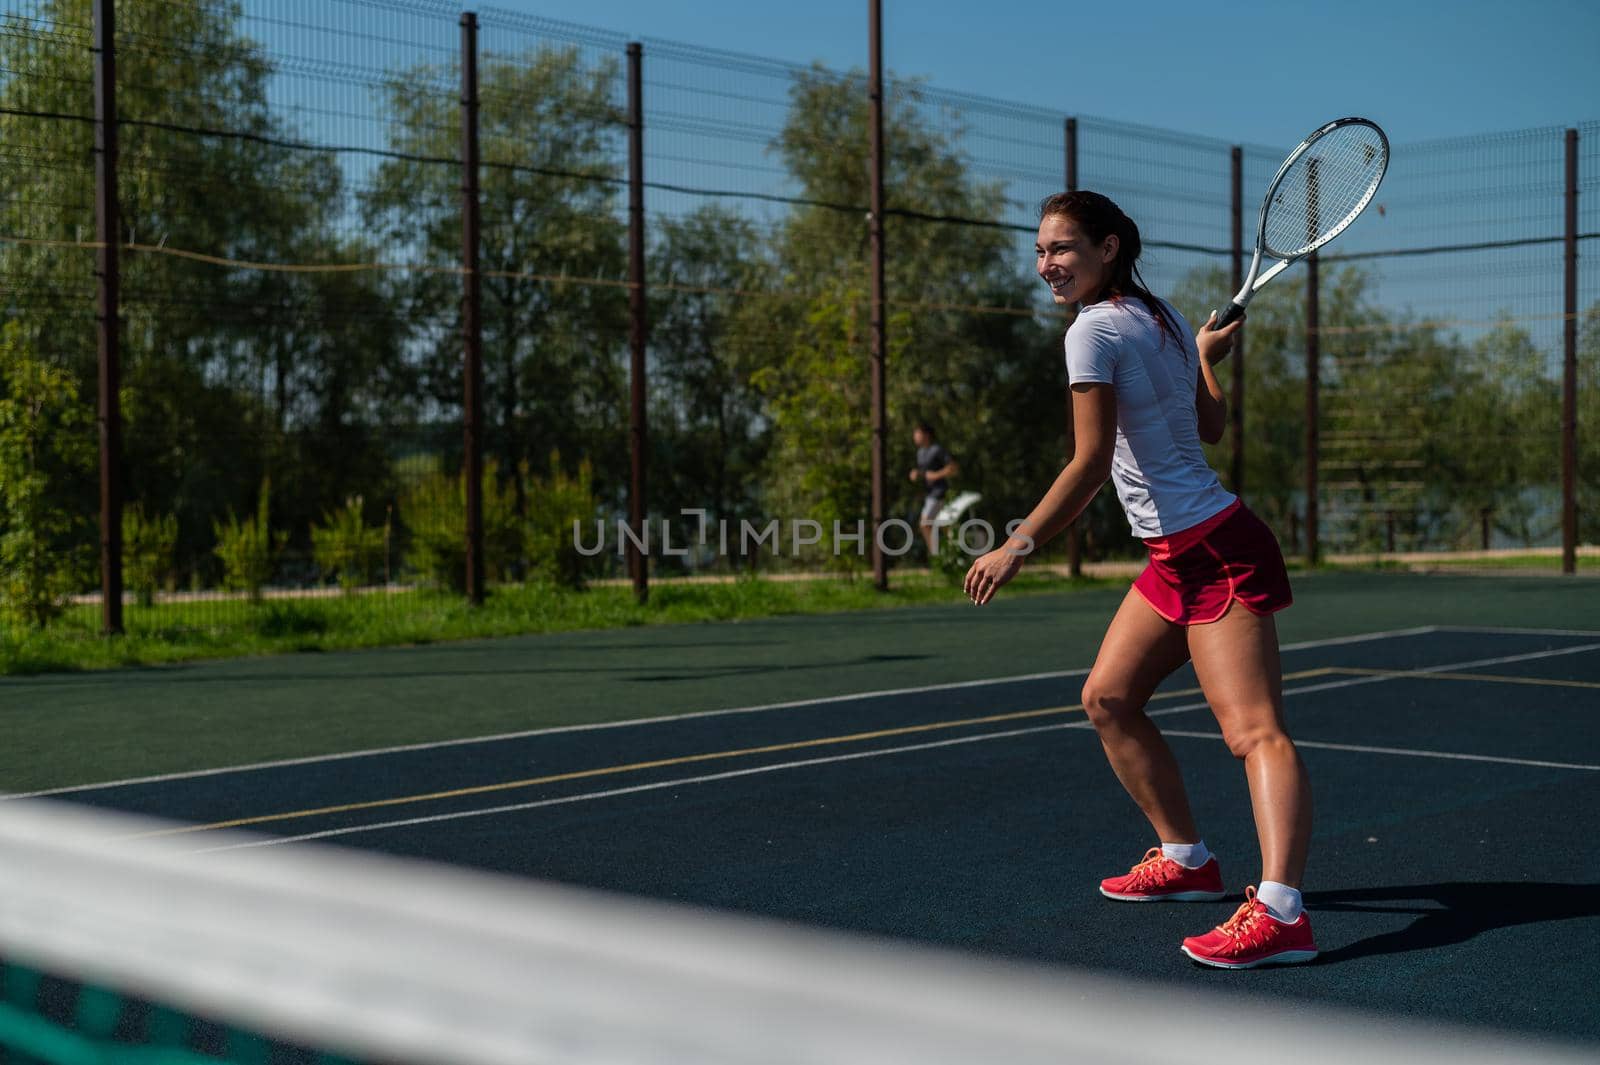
[(123, 946)]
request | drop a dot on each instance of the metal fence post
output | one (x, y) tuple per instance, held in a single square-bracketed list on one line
[(1569, 373), (108, 224), (639, 323), (1313, 413), (1074, 534), (471, 307), (1313, 366), (1236, 416), (880, 564)]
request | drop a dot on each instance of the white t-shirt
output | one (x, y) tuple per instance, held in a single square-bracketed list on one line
[(1160, 471)]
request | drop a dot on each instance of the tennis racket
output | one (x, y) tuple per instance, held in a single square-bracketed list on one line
[(1318, 191)]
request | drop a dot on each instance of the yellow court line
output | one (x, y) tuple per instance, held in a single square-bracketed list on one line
[(659, 763), (584, 774), (1495, 678)]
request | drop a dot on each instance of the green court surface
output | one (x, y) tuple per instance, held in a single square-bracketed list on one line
[(82, 728), (927, 775)]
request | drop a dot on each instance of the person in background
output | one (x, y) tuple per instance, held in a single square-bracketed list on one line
[(934, 469)]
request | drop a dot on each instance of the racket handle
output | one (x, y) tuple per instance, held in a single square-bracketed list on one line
[(1226, 318)]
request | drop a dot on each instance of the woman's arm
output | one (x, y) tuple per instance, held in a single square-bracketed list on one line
[(1210, 402), (1094, 420)]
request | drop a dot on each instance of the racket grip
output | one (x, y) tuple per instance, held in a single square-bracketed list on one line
[(1234, 312)]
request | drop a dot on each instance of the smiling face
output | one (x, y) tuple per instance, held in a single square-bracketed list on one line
[(1075, 268)]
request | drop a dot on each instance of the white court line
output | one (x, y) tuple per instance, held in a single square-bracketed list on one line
[(635, 789), (193, 774), (1352, 682), (984, 737), (1404, 751), (1493, 630)]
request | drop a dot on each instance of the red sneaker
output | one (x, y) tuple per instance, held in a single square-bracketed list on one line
[(1158, 878), (1252, 937)]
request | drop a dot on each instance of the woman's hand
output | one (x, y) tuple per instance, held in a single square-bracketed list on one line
[(989, 572), (1214, 344)]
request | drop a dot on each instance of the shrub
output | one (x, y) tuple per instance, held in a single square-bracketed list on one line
[(556, 504), (45, 451), (344, 544), (248, 548), (148, 544), (435, 513)]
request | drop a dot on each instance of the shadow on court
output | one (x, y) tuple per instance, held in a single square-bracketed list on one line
[(749, 670), (1460, 912)]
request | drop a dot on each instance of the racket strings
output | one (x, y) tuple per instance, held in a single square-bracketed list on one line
[(1324, 190)]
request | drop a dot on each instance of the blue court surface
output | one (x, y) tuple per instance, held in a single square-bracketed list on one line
[(1453, 873)]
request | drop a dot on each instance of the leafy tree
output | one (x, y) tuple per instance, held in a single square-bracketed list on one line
[(1274, 372), (226, 370), (1418, 428), (818, 409), (1588, 493), (44, 445), (553, 371), (991, 382), (708, 435)]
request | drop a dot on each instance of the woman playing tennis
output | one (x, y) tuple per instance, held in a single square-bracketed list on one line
[(1144, 395)]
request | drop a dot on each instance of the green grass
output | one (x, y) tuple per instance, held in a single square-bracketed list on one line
[(229, 628)]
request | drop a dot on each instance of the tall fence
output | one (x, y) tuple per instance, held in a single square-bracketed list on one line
[(651, 262)]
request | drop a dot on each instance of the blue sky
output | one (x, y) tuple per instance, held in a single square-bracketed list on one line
[(1266, 74)]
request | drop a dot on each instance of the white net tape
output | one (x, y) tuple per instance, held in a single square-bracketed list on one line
[(408, 962)]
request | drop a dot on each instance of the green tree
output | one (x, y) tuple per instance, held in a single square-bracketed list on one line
[(1274, 385), (818, 409), (1420, 431), (1588, 494), (708, 433), (225, 370), (554, 321), (44, 448), (1517, 443), (969, 355)]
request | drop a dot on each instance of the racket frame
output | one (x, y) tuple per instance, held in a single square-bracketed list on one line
[(1254, 283)]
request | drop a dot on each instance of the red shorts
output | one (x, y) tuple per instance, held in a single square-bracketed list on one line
[(1194, 575)]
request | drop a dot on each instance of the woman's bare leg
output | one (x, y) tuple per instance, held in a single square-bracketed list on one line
[(1139, 651), (1236, 660)]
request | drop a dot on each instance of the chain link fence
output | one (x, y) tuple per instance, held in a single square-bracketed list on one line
[(292, 322)]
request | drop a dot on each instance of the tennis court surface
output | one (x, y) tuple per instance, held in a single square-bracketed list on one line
[(1453, 880)]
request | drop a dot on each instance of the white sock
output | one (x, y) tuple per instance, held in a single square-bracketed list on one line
[(1188, 855), (1282, 900)]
